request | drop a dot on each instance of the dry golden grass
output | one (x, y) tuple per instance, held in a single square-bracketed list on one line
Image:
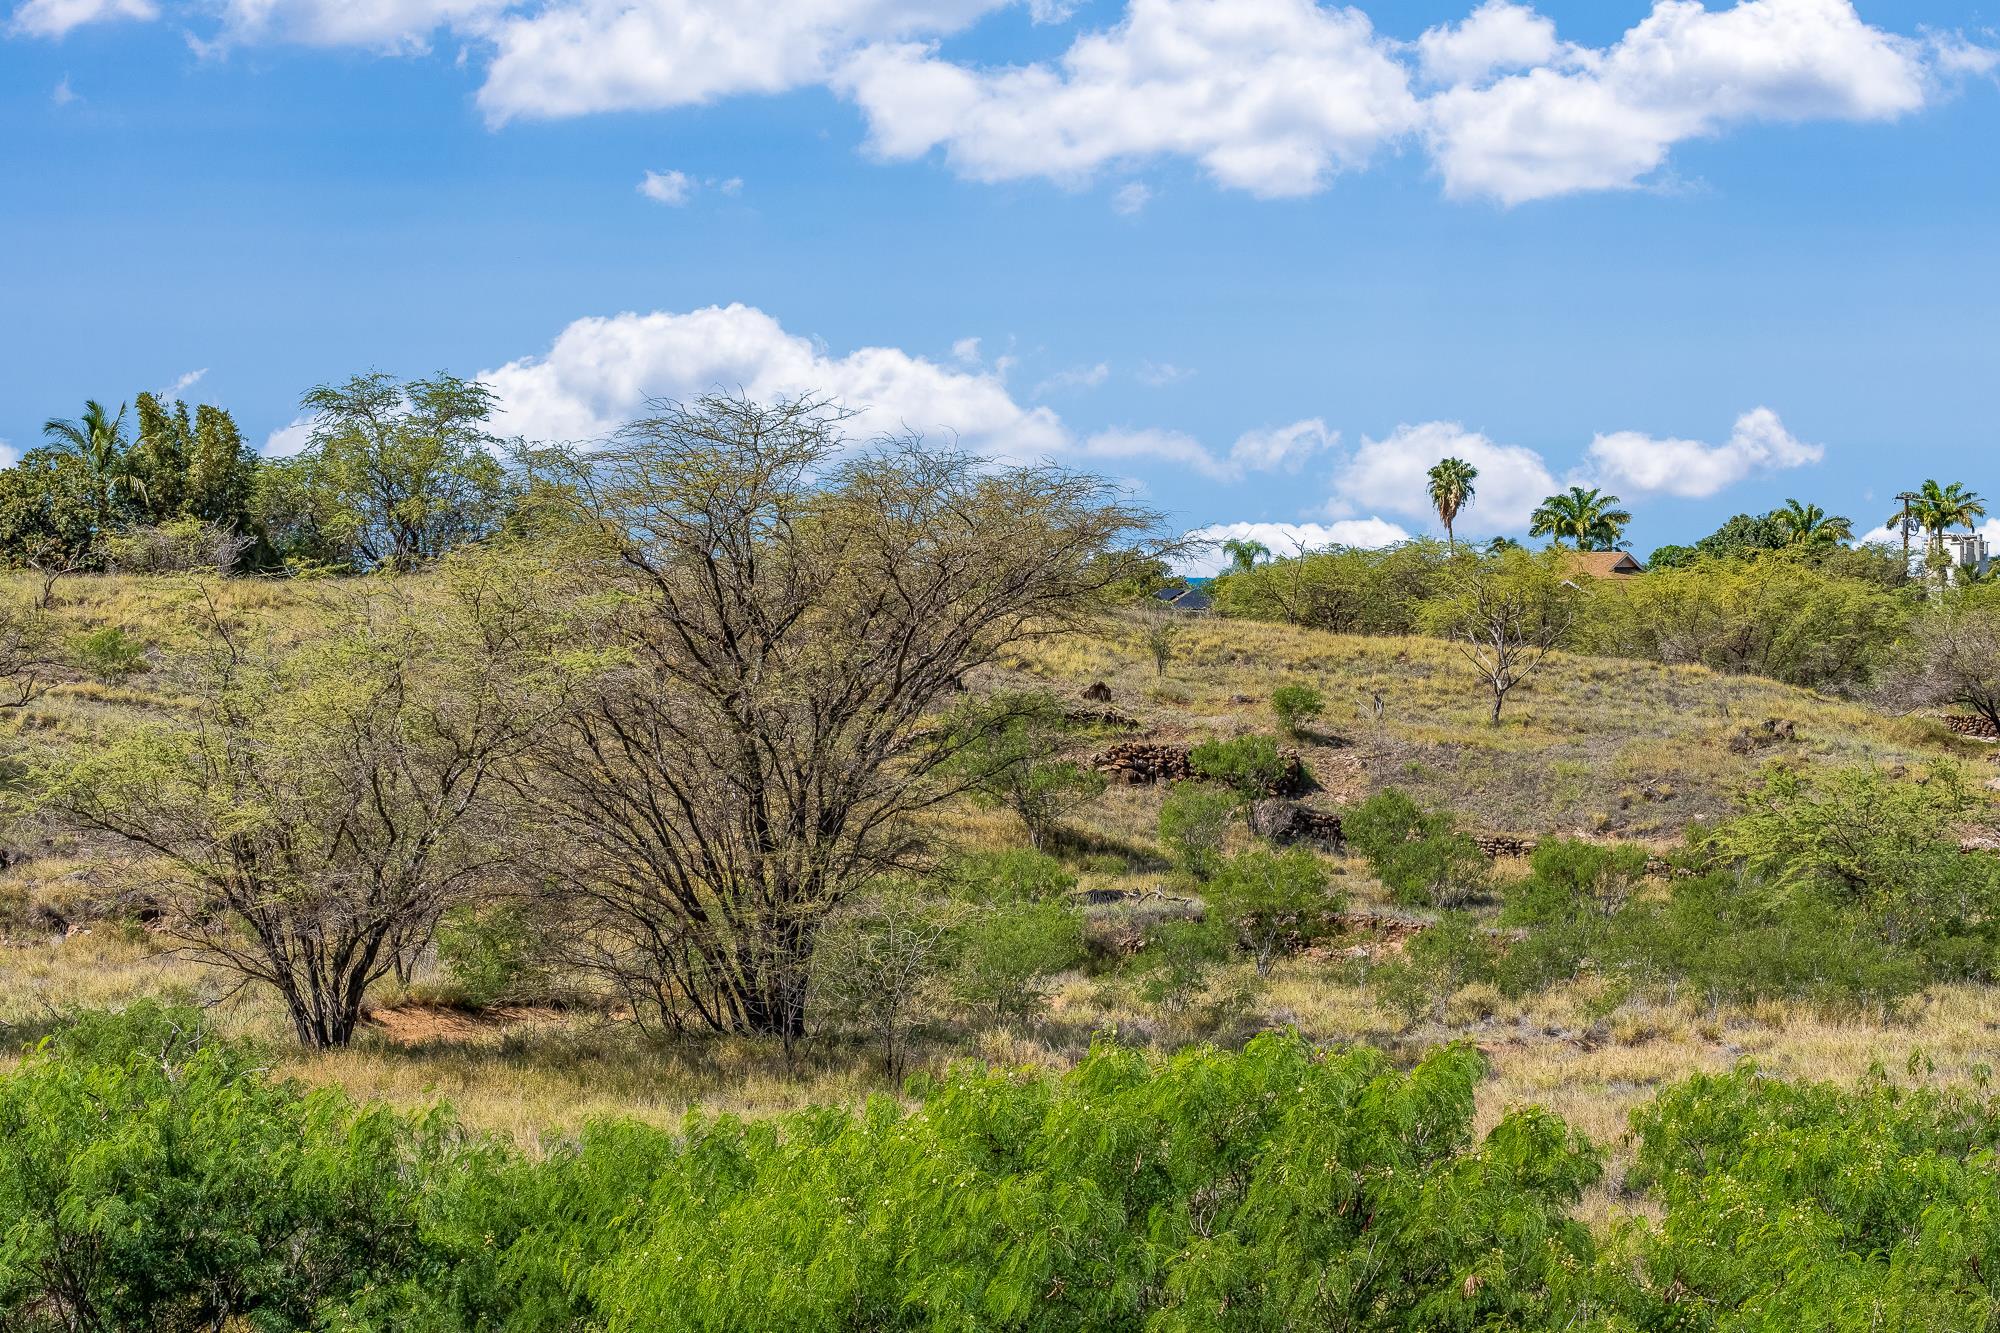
[(1620, 748)]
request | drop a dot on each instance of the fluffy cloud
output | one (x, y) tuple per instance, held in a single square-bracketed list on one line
[(1271, 96), (572, 57), (1689, 468), (1283, 448), (53, 18), (1499, 35), (1596, 120), (1389, 473), (601, 371), (672, 188), (1207, 559), (381, 25)]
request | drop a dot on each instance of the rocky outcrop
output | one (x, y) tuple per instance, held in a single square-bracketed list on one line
[(1978, 728), (1137, 763), (1287, 823), (1098, 693)]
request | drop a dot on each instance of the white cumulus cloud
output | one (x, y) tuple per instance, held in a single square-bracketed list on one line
[(1607, 119), (1206, 558), (1690, 468), (1499, 35), (601, 371), (1270, 96), (672, 188), (54, 18), (1389, 473)]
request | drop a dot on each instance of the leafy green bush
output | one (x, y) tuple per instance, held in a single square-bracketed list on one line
[(1297, 707), (1275, 901), (1014, 876), (1194, 820), (1419, 855), (1803, 1205), (1251, 766), (1004, 951), (1178, 960), (151, 1177), (1013, 749), (1434, 964), (109, 653)]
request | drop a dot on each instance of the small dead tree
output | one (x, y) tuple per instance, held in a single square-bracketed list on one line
[(791, 616), (1506, 613), (29, 655), (879, 960), (317, 809)]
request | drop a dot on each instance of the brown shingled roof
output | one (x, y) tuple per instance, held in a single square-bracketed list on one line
[(1605, 564)]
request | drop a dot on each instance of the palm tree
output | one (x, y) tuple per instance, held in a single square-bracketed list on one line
[(1809, 525), (1451, 490), (1939, 508), (98, 438), (1244, 553), (1586, 517)]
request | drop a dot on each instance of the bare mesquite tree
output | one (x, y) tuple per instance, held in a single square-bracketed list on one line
[(792, 618), (316, 808), (1951, 656), (1506, 613)]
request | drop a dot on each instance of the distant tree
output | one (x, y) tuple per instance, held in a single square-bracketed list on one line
[(1194, 822), (1938, 509), (48, 510), (1275, 900), (1507, 614), (1809, 525), (1245, 552), (98, 439), (1586, 518), (399, 473), (1450, 491), (1297, 706), (1161, 631), (196, 465)]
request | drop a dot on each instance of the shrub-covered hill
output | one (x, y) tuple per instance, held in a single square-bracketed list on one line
[(1594, 746)]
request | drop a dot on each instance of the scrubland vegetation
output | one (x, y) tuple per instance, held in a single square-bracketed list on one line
[(688, 885)]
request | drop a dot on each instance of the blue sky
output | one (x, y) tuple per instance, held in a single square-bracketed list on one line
[(1264, 259)]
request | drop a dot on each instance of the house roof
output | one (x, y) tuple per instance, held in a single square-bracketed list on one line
[(1185, 599), (1604, 564)]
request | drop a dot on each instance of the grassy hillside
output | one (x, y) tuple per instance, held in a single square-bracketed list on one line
[(1604, 748)]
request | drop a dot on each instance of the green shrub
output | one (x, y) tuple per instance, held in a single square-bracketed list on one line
[(1251, 766), (1435, 963), (1420, 856), (1014, 876), (1013, 749), (1194, 821), (1177, 961), (109, 653), (152, 1177), (1297, 707), (1004, 951), (1275, 901)]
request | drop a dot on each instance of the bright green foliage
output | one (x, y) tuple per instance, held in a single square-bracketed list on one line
[(1793, 615), (1297, 706), (1194, 820), (1213, 1192), (1799, 1205), (48, 511), (151, 1178), (1017, 875), (1003, 952), (397, 474), (108, 653), (1858, 839), (492, 952), (1419, 855), (193, 466), (1340, 589), (1252, 766), (1275, 901), (1585, 518)]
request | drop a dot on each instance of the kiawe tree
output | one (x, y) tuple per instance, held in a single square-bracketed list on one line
[(397, 474), (1585, 517), (312, 812), (1450, 488), (1506, 614), (793, 617)]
